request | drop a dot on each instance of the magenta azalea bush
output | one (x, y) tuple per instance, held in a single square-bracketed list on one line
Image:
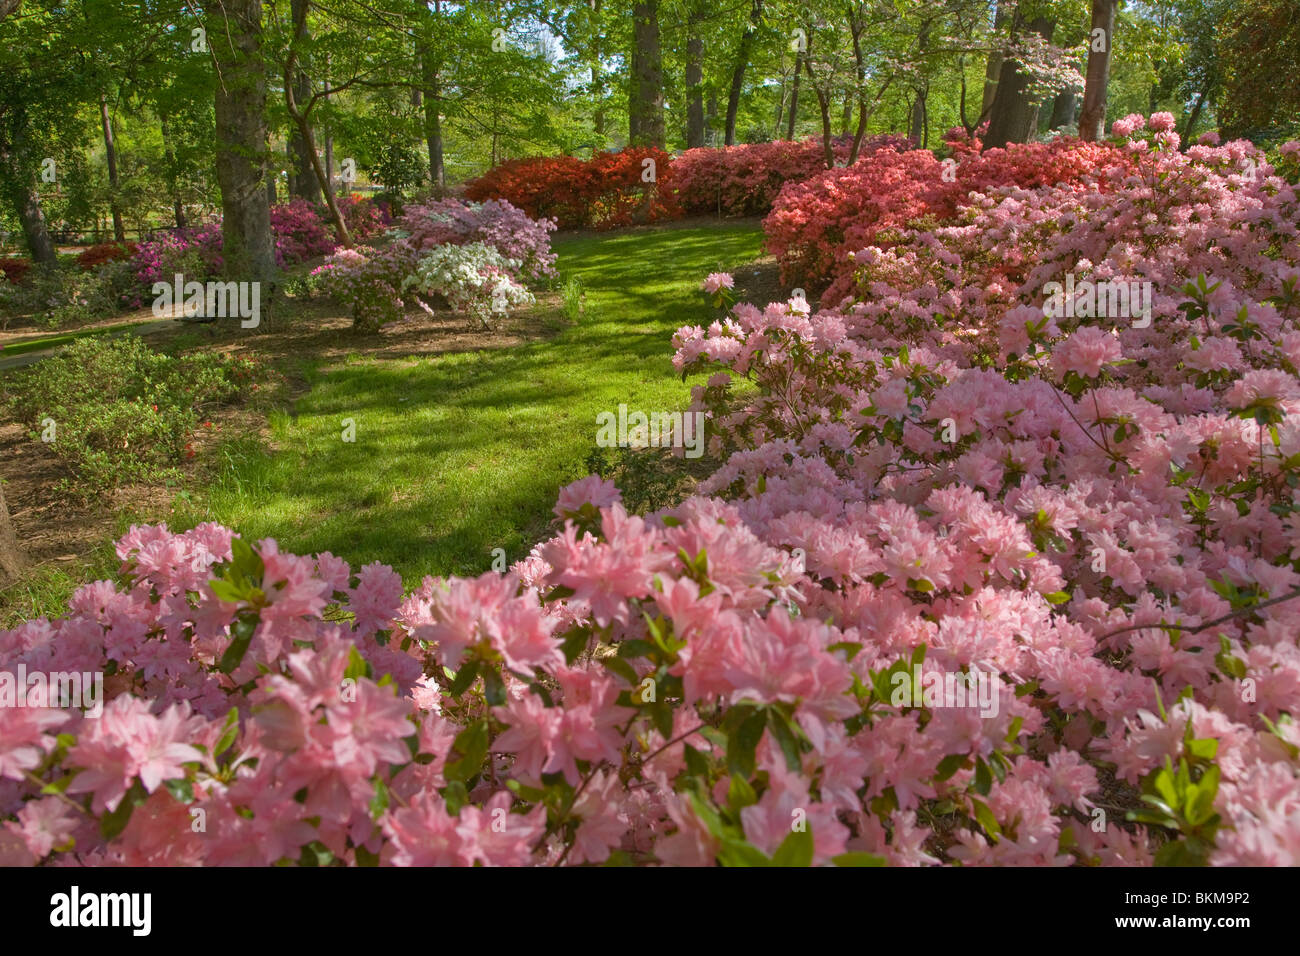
[(986, 576), (300, 233)]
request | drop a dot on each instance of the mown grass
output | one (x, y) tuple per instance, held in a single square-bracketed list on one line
[(460, 454)]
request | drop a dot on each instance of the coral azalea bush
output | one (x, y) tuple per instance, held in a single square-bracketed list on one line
[(984, 578), (611, 189), (816, 225), (744, 180)]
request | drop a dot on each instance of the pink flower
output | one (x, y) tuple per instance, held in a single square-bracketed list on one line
[(129, 742), (718, 280)]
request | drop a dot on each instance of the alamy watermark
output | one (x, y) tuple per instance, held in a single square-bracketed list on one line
[(656, 430), (81, 689), (926, 687), (210, 300), (1107, 299)]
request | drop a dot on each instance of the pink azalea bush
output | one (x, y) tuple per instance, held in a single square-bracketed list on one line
[(1094, 518)]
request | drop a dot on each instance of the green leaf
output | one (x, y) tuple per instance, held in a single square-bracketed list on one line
[(181, 789), (111, 824), (229, 733), (743, 742), (471, 745), (697, 765), (740, 794), (986, 819), (622, 668), (784, 733), (574, 643), (242, 630), (494, 689), (379, 802), (859, 859), (357, 665), (796, 849), (464, 678)]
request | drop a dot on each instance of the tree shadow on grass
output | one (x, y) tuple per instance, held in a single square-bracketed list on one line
[(455, 455)]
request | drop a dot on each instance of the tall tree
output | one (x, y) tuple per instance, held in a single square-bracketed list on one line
[(1092, 118), (1014, 117), (743, 53), (303, 181), (234, 35), (646, 103), (114, 184), (694, 77)]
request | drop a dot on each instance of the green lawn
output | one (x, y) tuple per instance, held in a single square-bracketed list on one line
[(459, 454)]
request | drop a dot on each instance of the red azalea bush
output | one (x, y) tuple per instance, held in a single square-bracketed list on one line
[(106, 252), (816, 226), (545, 187), (14, 269), (745, 180), (611, 189), (953, 487)]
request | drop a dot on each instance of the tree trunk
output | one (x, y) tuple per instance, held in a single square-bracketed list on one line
[(1062, 110), (11, 555), (794, 97), (235, 35), (1193, 117), (916, 128), (301, 116), (302, 179), (17, 183), (1015, 111), (824, 104), (993, 69), (694, 82), (597, 83), (18, 187), (646, 106), (173, 185), (1092, 118), (110, 153), (36, 232), (433, 122), (738, 74)]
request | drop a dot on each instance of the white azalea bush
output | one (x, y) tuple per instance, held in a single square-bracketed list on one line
[(473, 278)]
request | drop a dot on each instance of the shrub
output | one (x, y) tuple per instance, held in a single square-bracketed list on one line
[(495, 223), (545, 187), (816, 226), (120, 412), (939, 490), (106, 252), (610, 189), (368, 282), (14, 269), (745, 180), (364, 217), (300, 233), (473, 278), (194, 252), (504, 250)]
